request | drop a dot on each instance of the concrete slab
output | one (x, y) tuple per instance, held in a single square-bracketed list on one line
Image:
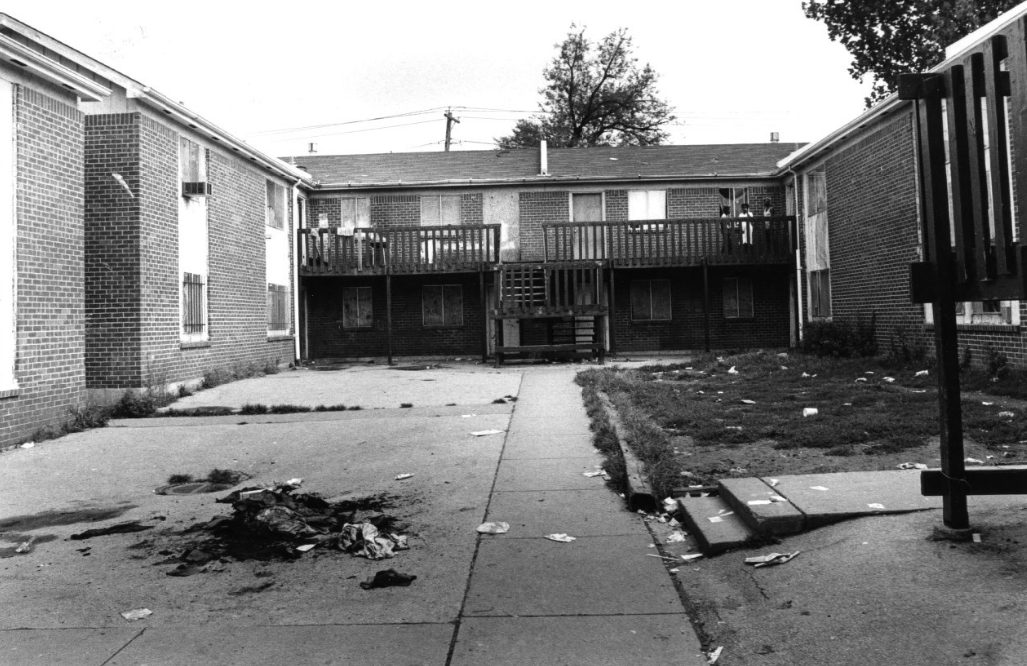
[(361, 645), (597, 512), (548, 474), (713, 536), (828, 498), (773, 518), (639, 640), (70, 647), (590, 576), (527, 442)]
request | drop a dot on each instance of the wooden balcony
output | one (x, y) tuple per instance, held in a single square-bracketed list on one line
[(398, 250), (551, 289), (682, 242)]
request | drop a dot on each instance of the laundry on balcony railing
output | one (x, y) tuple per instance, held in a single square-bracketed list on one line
[(408, 249), (736, 240)]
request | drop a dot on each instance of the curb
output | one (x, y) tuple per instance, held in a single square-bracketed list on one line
[(639, 493)]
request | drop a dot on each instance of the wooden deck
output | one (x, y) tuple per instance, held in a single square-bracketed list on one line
[(681, 242), (398, 250)]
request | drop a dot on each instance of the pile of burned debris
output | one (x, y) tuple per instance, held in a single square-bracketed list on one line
[(273, 522)]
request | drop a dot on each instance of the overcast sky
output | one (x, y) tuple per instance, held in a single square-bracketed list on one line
[(734, 70)]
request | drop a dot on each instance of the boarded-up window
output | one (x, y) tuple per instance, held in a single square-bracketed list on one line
[(356, 307), (356, 212), (275, 205), (443, 305), (192, 162), (277, 308), (818, 256), (439, 209), (647, 205), (586, 208), (193, 310), (650, 300), (738, 298), (820, 293)]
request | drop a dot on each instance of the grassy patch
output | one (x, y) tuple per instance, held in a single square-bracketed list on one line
[(742, 415)]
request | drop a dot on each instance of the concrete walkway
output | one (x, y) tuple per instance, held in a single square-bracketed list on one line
[(597, 600)]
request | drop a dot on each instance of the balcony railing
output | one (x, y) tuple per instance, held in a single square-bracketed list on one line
[(528, 290), (398, 250), (682, 242)]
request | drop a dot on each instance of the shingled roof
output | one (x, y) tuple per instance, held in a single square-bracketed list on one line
[(497, 166)]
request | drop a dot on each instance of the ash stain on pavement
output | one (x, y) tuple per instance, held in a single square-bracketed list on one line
[(69, 517)]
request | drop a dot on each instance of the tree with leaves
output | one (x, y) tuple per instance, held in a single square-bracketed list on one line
[(891, 37), (595, 95)]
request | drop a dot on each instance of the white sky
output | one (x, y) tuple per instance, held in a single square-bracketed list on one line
[(734, 70)]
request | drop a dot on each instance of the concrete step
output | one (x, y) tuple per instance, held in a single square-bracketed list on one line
[(726, 531), (761, 507)]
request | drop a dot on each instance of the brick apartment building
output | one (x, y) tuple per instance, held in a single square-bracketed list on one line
[(141, 243), (861, 208), (478, 252)]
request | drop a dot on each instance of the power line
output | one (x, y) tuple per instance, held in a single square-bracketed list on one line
[(351, 122), (370, 129)]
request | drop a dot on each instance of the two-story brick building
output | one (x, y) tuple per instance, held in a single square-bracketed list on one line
[(536, 250), (141, 244)]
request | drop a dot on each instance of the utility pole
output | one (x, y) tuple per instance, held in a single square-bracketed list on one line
[(450, 119)]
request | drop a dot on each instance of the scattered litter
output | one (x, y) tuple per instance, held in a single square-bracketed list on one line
[(28, 445), (758, 502), (809, 411), (673, 522), (805, 374), (869, 372), (388, 578), (674, 570), (748, 402), (714, 656), (119, 528), (875, 505), (467, 416), (670, 505), (25, 546), (677, 537), (661, 557), (773, 482), (910, 465), (137, 614), (494, 528), (305, 547), (738, 428), (846, 404), (770, 559), (921, 373), (693, 556), (973, 461), (364, 540), (562, 538), (777, 498), (987, 404), (482, 433), (402, 477), (732, 371), (861, 379), (1006, 415), (817, 488), (977, 537), (888, 379), (599, 472)]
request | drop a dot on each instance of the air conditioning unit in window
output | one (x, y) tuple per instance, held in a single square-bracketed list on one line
[(196, 189)]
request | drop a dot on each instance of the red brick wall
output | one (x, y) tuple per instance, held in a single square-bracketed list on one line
[(686, 330), (410, 337), (535, 208), (135, 337), (50, 367)]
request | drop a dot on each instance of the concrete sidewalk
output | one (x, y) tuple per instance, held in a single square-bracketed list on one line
[(600, 599)]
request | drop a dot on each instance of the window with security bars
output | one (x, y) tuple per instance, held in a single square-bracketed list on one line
[(192, 303), (277, 308), (443, 305), (738, 298)]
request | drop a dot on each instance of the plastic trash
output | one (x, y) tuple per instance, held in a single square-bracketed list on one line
[(482, 433), (861, 379), (137, 614), (714, 656), (693, 556), (973, 461), (748, 402), (773, 482), (876, 505), (910, 465), (987, 404), (1006, 415), (777, 498), (305, 547), (670, 505), (732, 371), (817, 488), (759, 502), (494, 528), (677, 537), (809, 411), (977, 537), (921, 373), (889, 379), (28, 445), (770, 559), (562, 538), (25, 546), (599, 472), (401, 477), (805, 374)]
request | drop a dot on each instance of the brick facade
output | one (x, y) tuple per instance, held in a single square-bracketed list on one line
[(49, 365), (132, 286)]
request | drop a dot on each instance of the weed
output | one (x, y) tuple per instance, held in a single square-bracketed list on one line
[(184, 392), (997, 362), (255, 408), (841, 339), (225, 476), (330, 408), (406, 405), (176, 479), (87, 417), (134, 405), (355, 408), (287, 409), (499, 401)]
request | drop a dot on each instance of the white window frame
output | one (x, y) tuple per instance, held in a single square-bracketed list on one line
[(193, 251), (8, 244)]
